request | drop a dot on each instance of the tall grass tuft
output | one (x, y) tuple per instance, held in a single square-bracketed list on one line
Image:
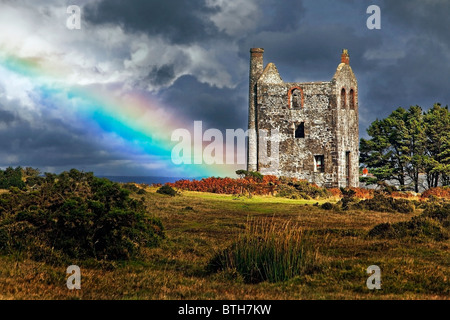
[(269, 251)]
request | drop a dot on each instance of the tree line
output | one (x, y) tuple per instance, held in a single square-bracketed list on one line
[(407, 144)]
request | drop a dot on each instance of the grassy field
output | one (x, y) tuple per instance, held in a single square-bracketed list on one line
[(198, 225)]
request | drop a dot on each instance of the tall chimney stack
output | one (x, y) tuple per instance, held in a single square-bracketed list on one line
[(256, 69)]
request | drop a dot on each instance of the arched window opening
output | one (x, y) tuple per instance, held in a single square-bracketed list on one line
[(352, 99), (296, 98), (343, 99)]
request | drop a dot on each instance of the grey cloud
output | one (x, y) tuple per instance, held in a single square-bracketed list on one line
[(218, 108), (161, 76), (416, 79), (180, 22), (428, 18), (281, 15), (6, 117), (312, 52)]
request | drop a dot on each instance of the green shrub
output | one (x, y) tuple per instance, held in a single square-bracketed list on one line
[(286, 191), (433, 223), (167, 190), (256, 176), (253, 174), (76, 215), (327, 206), (130, 186), (381, 203), (348, 197), (12, 178), (268, 252), (300, 189), (133, 188), (415, 228), (439, 212)]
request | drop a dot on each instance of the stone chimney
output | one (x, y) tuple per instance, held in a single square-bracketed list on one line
[(256, 69), (345, 58)]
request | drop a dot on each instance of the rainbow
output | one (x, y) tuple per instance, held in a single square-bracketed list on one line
[(137, 120)]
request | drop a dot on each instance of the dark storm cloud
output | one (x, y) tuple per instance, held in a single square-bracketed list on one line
[(45, 142), (6, 117), (281, 15), (415, 79), (161, 76), (313, 52), (180, 22), (218, 108), (426, 18)]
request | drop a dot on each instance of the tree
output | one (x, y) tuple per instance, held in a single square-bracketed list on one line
[(437, 162), (414, 144), (408, 143), (385, 152)]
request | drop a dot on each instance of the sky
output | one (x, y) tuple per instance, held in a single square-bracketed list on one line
[(107, 97)]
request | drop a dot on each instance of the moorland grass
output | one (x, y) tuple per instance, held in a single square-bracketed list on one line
[(199, 225)]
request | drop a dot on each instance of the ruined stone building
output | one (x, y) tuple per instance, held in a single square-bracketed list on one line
[(317, 125)]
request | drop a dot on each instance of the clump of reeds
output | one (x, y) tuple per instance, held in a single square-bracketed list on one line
[(269, 251)]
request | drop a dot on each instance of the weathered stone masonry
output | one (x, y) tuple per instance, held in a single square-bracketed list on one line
[(317, 124)]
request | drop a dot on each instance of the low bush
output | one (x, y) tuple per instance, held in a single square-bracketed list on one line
[(363, 193), (268, 252), (76, 215), (130, 186), (167, 190), (134, 188), (300, 189), (253, 183), (415, 228), (12, 178), (348, 197), (384, 203), (439, 212), (335, 192), (433, 223), (439, 192), (403, 194), (290, 192), (327, 206)]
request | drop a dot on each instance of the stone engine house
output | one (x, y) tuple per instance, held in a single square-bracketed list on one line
[(317, 124)]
